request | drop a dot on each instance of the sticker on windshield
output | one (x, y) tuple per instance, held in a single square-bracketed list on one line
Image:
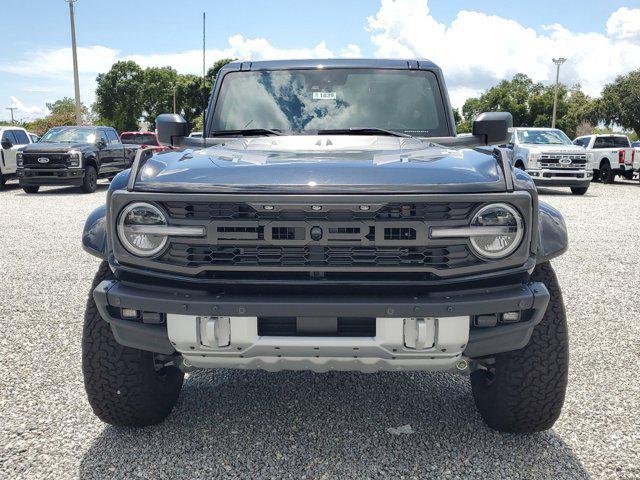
[(324, 95)]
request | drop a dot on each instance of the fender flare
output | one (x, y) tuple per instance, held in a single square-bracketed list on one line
[(553, 239)]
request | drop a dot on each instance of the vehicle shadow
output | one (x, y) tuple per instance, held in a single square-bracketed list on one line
[(254, 424), (64, 190)]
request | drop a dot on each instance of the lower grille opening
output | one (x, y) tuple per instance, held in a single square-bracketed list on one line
[(317, 326)]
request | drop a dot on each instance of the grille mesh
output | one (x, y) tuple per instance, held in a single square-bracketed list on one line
[(318, 256)]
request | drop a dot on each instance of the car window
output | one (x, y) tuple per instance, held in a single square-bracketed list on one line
[(113, 137), (8, 135), (21, 137), (103, 136), (620, 142), (603, 142)]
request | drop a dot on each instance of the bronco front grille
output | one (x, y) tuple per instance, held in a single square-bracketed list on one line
[(390, 211), (318, 256)]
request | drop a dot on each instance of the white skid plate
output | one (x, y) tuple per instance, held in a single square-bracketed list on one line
[(426, 343)]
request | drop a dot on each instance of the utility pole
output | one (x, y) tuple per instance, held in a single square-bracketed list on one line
[(558, 62), (12, 109), (76, 80)]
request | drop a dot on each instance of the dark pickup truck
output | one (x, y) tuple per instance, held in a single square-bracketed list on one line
[(329, 219), (73, 156)]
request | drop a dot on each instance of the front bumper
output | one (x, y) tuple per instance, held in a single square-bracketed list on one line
[(448, 315), (560, 177), (54, 176)]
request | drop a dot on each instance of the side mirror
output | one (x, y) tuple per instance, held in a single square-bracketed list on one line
[(6, 144), (171, 128), (492, 127), (101, 143)]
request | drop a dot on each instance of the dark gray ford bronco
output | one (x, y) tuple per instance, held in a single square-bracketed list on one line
[(330, 219)]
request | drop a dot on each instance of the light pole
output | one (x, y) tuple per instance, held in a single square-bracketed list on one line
[(76, 81), (12, 109), (558, 62), (174, 99)]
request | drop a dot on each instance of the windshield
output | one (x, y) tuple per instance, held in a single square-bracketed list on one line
[(543, 137), (139, 138), (305, 101), (70, 135)]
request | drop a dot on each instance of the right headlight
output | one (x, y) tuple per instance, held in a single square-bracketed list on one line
[(496, 230), (19, 159), (141, 229)]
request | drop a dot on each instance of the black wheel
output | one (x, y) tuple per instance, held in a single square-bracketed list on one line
[(30, 189), (579, 190), (2, 180), (596, 176), (606, 174), (524, 390), (125, 386), (90, 180), (628, 174)]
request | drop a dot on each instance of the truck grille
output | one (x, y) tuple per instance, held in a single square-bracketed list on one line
[(55, 160), (318, 256), (310, 237), (564, 161)]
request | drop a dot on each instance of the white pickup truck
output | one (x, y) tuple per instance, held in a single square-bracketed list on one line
[(11, 138), (612, 155), (548, 155)]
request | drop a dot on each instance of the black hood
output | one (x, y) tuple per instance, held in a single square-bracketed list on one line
[(327, 164), (54, 147)]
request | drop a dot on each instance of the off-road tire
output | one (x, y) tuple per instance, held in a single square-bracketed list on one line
[(123, 386), (2, 180), (524, 390), (607, 175), (90, 180), (628, 174), (579, 190), (33, 189)]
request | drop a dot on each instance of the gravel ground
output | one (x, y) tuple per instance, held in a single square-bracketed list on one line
[(304, 425)]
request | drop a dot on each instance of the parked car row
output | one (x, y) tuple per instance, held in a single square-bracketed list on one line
[(552, 159), (70, 155)]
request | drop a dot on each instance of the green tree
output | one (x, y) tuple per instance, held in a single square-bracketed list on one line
[(157, 92), (620, 102), (118, 95), (531, 105)]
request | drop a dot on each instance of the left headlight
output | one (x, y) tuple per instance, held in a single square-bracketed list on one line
[(497, 230), (140, 229), (19, 159)]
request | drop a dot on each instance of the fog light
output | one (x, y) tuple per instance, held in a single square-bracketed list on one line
[(129, 313), (509, 317), (483, 321), (215, 331)]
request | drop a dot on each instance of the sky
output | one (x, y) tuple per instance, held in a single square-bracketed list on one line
[(477, 43)]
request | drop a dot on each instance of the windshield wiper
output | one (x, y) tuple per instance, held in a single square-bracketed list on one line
[(363, 131), (247, 132)]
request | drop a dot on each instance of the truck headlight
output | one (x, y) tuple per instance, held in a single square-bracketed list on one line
[(74, 158), (19, 159), (533, 159), (140, 229), (504, 228)]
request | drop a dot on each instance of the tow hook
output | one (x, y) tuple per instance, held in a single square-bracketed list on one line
[(184, 365), (462, 366)]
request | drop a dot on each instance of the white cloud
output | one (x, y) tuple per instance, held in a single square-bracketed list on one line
[(23, 110), (477, 50), (624, 24)]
